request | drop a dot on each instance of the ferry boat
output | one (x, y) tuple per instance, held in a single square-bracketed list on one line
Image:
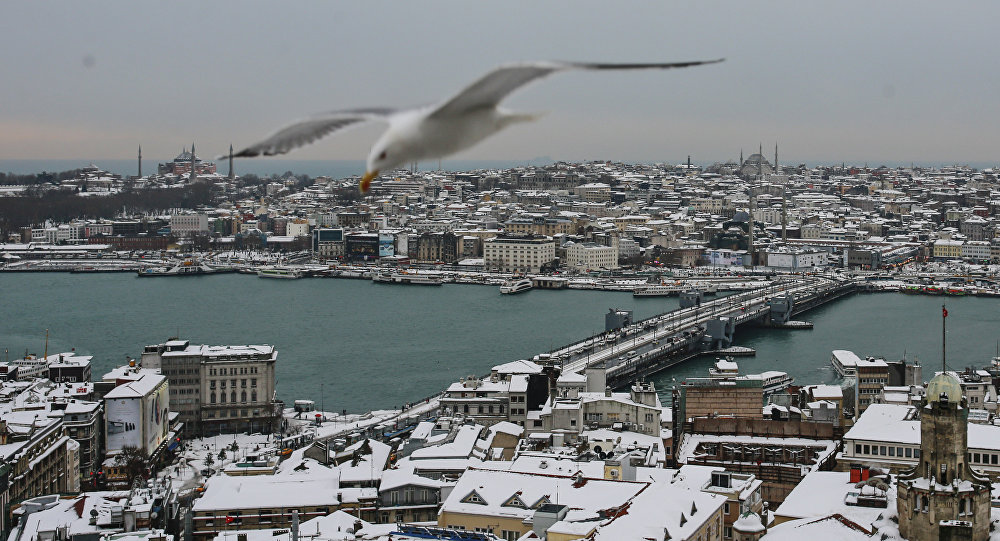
[(515, 285), (770, 381), (773, 380), (279, 272), (407, 278), (188, 267), (657, 291)]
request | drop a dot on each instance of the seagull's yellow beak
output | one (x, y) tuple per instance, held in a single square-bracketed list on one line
[(366, 181)]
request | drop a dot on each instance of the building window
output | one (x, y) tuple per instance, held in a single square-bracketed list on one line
[(212, 397)]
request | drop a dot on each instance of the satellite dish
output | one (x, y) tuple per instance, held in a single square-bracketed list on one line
[(597, 449), (602, 455)]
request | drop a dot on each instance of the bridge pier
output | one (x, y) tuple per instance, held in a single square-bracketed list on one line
[(781, 309), (719, 332), (691, 297)]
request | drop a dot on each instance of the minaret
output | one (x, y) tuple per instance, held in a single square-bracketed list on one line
[(784, 198), (231, 175), (193, 176), (140, 161)]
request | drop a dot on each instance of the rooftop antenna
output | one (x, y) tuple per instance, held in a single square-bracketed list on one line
[(46, 344)]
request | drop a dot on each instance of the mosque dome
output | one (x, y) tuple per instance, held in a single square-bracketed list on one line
[(944, 384)]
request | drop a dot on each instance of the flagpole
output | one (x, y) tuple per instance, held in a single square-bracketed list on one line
[(944, 319)]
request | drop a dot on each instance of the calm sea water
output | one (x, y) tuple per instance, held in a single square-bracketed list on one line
[(352, 344)]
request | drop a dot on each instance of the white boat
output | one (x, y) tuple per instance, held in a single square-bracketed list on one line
[(773, 380), (657, 291), (188, 267), (407, 278), (724, 368), (770, 381), (279, 272), (515, 285)]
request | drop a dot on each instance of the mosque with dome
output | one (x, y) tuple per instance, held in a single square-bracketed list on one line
[(184, 163)]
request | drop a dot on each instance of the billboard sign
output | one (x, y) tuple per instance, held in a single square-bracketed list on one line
[(386, 247), (155, 417), (124, 423)]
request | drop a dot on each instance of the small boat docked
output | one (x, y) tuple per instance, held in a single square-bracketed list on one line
[(279, 272), (515, 285), (407, 278), (188, 267), (657, 291)]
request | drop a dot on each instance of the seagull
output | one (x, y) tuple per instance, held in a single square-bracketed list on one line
[(428, 133)]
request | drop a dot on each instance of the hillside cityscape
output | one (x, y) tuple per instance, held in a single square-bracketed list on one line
[(190, 441)]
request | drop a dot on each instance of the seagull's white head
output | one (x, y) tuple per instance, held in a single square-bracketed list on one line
[(387, 153)]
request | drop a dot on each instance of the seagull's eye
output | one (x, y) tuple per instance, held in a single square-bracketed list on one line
[(382, 155)]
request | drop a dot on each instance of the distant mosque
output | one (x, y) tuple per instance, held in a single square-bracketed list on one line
[(757, 164), (184, 163)]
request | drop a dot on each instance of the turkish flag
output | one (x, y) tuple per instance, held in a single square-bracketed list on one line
[(229, 519), (944, 312)]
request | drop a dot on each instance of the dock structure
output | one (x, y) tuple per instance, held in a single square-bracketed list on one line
[(653, 344)]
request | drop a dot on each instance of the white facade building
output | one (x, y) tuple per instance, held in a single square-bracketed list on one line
[(796, 259), (518, 254), (586, 256), (184, 225)]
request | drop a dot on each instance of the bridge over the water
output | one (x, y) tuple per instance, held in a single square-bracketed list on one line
[(648, 346)]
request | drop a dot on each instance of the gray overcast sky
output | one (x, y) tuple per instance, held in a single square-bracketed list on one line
[(829, 81)]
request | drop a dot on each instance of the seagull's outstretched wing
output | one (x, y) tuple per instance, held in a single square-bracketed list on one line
[(306, 131), (490, 89)]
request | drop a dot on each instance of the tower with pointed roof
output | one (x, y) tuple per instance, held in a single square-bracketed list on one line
[(942, 497), (194, 169)]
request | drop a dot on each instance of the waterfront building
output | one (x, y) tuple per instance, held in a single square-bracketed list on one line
[(518, 254), (70, 367), (587, 256), (795, 259), (945, 249), (218, 389), (327, 243), (942, 496), (186, 225)]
